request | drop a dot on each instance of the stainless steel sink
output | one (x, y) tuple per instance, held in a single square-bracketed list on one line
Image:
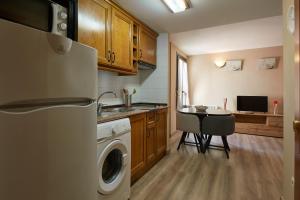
[(112, 111), (121, 109), (106, 114), (145, 107)]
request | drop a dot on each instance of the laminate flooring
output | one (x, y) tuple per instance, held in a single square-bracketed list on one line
[(253, 172)]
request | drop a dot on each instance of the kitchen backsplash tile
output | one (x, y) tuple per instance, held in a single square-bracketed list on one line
[(110, 81)]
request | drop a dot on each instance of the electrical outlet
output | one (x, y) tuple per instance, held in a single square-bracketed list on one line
[(293, 181)]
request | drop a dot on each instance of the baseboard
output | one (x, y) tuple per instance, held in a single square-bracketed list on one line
[(168, 151), (174, 133)]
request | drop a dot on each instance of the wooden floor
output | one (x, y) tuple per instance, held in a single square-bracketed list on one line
[(253, 172)]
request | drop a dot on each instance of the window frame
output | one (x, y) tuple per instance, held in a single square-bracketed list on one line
[(178, 56)]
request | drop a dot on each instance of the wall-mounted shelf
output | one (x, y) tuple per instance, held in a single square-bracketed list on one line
[(135, 46)]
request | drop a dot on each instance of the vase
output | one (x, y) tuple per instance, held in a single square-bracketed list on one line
[(275, 109), (225, 103)]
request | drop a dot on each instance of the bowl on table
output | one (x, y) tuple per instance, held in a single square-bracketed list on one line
[(201, 108)]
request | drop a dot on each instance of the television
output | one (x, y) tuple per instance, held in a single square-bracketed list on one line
[(252, 103)]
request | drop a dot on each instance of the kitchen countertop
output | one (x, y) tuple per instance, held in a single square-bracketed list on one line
[(136, 109)]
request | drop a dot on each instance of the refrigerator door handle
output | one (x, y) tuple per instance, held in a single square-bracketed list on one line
[(24, 111)]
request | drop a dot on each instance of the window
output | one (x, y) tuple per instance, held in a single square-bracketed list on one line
[(182, 83)]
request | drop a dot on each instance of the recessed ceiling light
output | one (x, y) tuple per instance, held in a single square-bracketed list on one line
[(177, 5)]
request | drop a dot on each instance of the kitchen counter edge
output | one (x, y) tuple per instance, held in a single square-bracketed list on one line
[(122, 115)]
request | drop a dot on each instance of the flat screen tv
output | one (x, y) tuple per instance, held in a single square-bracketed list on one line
[(252, 103)]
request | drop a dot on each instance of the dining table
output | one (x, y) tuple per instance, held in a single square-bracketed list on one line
[(207, 112), (192, 110)]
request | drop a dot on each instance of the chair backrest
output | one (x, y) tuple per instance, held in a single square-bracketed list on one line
[(218, 125), (187, 122)]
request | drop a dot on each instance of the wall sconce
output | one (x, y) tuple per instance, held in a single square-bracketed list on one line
[(220, 63)]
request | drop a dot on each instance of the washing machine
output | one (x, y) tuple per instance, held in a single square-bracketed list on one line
[(114, 160)]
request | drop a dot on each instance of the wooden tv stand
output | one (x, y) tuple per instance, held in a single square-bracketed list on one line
[(265, 124)]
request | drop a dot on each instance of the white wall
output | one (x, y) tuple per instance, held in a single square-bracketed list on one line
[(152, 86), (155, 84), (289, 106), (209, 85)]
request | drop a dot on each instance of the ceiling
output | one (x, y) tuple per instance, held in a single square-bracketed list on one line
[(203, 14), (259, 33)]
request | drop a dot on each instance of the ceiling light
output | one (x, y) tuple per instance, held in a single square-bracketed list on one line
[(177, 5)]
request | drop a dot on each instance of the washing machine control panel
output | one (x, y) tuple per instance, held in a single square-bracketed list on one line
[(113, 128), (120, 129)]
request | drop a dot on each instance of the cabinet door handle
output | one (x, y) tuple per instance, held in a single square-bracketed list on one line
[(296, 126), (113, 57), (108, 56), (141, 53)]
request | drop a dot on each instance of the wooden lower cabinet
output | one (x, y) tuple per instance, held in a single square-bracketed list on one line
[(151, 140), (148, 141), (161, 132), (138, 145)]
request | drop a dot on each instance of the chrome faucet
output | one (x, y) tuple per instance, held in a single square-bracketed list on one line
[(100, 105)]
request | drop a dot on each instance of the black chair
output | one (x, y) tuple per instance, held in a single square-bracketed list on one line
[(218, 126)]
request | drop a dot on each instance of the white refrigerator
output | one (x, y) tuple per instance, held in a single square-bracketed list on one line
[(48, 87)]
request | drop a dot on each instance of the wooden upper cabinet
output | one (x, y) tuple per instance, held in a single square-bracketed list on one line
[(147, 45), (119, 38), (122, 28), (94, 26)]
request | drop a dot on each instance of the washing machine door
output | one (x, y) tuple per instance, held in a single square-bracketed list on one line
[(111, 167)]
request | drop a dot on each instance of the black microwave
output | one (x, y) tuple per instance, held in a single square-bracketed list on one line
[(55, 16)]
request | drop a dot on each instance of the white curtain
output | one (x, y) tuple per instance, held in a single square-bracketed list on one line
[(182, 85)]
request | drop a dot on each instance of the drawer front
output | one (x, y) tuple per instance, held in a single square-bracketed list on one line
[(275, 121), (151, 117)]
